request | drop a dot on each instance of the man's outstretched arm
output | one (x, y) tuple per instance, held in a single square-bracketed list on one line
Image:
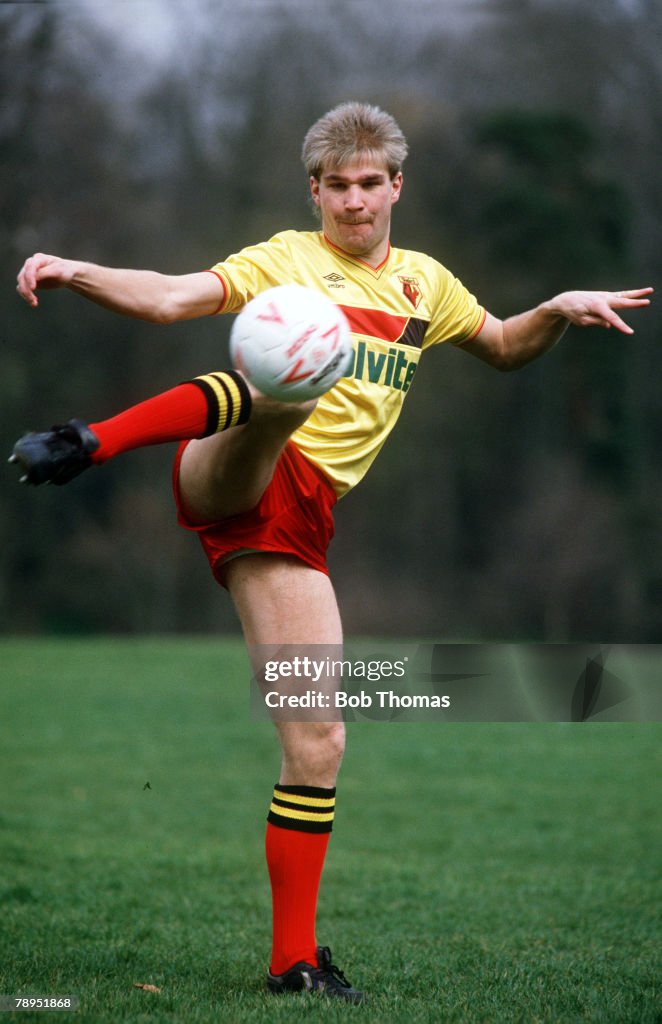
[(143, 294), (509, 344)]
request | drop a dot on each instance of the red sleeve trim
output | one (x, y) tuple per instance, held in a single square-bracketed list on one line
[(476, 331), (225, 291)]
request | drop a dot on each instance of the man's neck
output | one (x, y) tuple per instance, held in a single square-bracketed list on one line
[(374, 260)]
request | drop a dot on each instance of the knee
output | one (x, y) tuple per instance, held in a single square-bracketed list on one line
[(266, 410), (323, 751), (312, 755), (333, 742)]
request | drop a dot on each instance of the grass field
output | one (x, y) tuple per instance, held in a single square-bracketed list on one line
[(477, 873)]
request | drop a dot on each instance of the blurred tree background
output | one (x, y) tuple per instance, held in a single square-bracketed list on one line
[(167, 135)]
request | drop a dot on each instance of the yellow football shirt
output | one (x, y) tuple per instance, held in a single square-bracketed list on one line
[(395, 312)]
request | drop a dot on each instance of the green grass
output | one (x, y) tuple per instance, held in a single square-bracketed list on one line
[(477, 873)]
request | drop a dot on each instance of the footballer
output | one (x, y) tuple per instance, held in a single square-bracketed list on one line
[(258, 479)]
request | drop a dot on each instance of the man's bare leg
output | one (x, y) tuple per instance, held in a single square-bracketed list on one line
[(227, 473), (280, 600)]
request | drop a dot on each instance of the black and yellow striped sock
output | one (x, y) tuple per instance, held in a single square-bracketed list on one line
[(297, 835), (303, 808), (228, 400), (218, 401)]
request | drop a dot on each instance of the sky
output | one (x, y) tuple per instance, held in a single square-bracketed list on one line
[(156, 28)]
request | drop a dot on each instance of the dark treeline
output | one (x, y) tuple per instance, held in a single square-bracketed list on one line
[(523, 506)]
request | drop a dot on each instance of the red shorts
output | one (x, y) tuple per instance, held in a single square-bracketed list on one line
[(293, 517)]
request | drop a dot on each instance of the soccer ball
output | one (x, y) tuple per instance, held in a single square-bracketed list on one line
[(292, 343)]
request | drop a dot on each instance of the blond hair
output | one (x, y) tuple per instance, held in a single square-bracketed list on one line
[(350, 131)]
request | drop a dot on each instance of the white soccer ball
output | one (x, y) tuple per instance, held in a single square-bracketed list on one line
[(292, 343)]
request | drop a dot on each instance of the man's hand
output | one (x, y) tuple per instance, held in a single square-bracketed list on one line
[(598, 309), (43, 271), (509, 344)]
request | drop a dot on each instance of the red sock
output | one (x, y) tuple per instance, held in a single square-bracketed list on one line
[(298, 829), (197, 408)]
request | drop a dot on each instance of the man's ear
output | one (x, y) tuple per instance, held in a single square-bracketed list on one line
[(315, 190), (396, 185)]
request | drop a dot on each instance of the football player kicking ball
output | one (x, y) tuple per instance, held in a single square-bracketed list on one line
[(257, 479)]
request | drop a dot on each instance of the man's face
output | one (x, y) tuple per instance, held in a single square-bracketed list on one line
[(355, 203)]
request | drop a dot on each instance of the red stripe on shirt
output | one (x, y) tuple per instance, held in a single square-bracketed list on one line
[(375, 323)]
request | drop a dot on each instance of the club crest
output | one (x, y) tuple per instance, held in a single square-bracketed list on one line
[(411, 290)]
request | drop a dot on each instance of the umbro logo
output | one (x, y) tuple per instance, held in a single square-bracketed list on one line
[(334, 280)]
